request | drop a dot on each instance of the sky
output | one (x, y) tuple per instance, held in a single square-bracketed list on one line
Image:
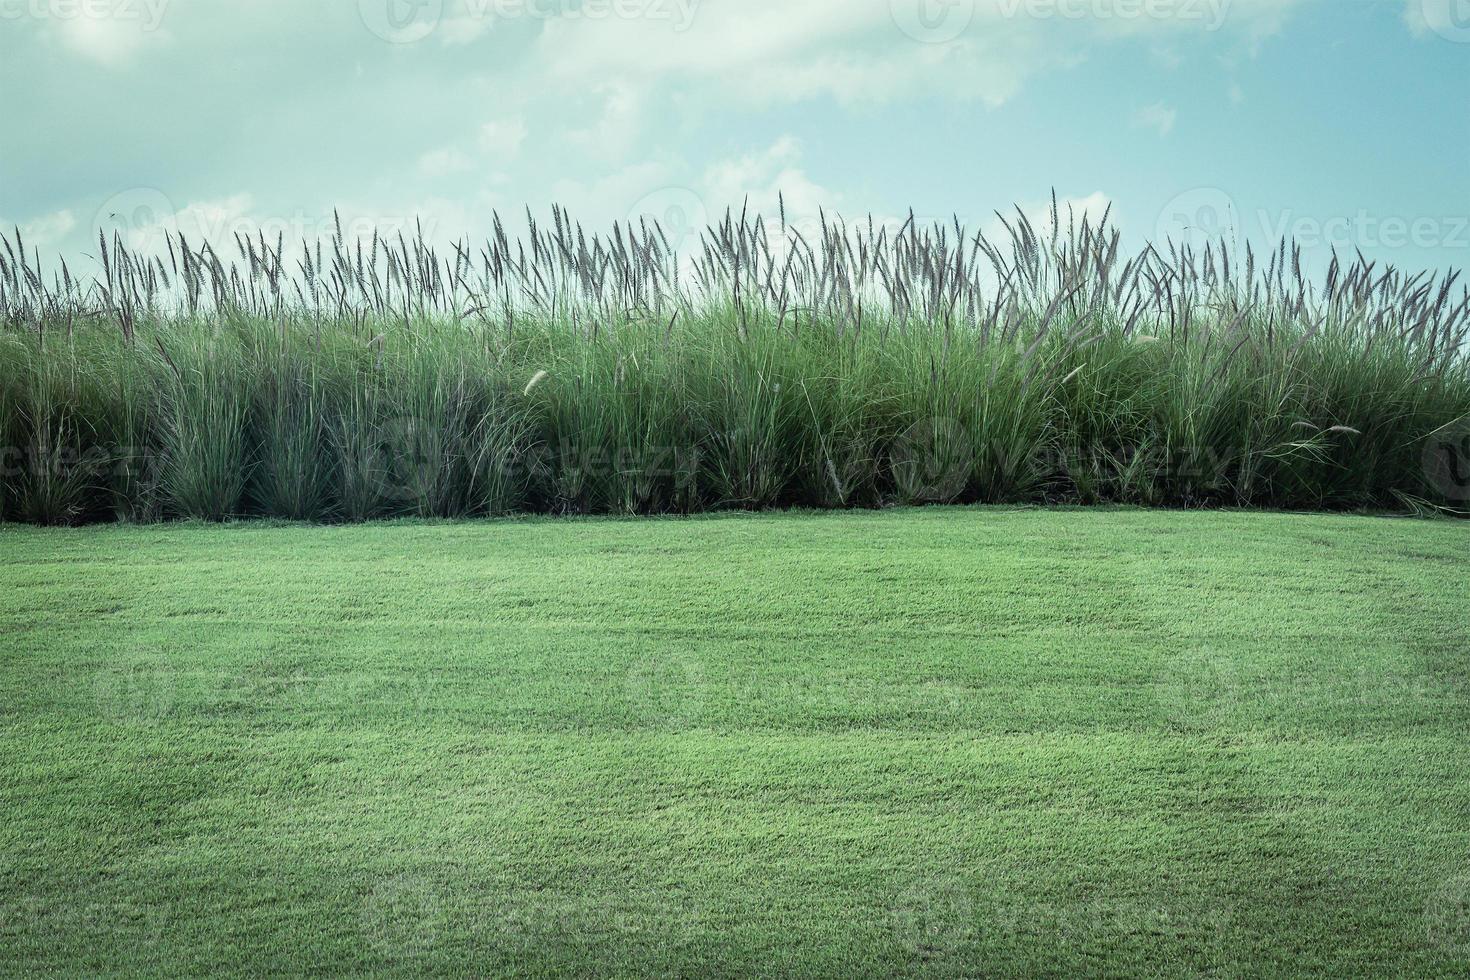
[(1339, 123)]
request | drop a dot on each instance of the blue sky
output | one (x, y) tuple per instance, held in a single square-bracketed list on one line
[(1339, 122)]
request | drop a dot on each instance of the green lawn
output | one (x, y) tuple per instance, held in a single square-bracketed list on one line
[(948, 741)]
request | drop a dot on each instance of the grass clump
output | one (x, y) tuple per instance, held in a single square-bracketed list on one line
[(568, 373), (206, 391)]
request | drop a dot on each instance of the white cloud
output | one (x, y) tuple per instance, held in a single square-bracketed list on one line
[(444, 162), (502, 138), (615, 195), (767, 50), (112, 38), (219, 220), (874, 51), (45, 232), (1257, 20), (615, 132), (763, 180), (143, 217), (463, 27), (686, 202), (1157, 117), (497, 144), (1069, 210)]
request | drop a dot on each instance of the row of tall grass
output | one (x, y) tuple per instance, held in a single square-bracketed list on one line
[(574, 374)]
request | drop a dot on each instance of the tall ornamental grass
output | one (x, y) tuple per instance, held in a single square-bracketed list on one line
[(852, 366)]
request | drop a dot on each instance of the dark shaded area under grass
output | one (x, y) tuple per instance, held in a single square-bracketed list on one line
[(947, 741)]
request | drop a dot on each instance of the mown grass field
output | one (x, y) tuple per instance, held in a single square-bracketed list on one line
[(948, 741)]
